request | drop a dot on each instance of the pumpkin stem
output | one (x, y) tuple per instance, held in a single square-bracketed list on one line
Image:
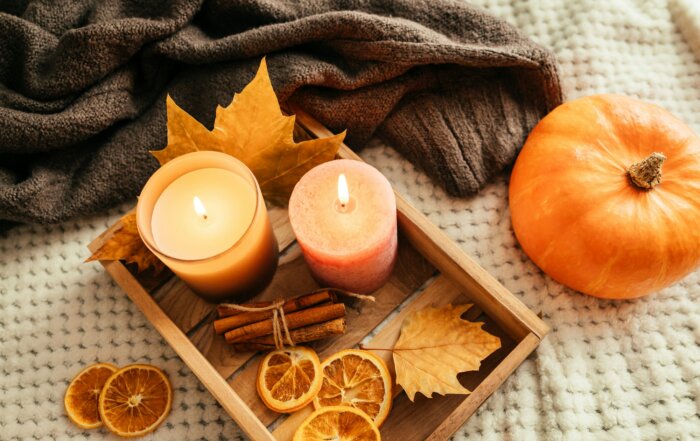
[(647, 173)]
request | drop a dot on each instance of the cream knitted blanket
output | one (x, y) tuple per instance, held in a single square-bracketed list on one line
[(609, 370)]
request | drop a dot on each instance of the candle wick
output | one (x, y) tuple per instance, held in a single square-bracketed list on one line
[(205, 216)]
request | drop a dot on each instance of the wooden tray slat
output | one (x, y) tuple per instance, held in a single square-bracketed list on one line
[(185, 321), (488, 385), (439, 292), (194, 359), (214, 347), (279, 218), (292, 277), (432, 411), (185, 308), (411, 271)]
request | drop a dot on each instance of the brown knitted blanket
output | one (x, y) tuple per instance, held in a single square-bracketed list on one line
[(83, 85)]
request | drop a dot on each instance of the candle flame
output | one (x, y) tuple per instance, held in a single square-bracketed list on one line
[(199, 207), (343, 192)]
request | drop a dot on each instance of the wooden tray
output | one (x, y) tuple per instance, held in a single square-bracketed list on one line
[(431, 270)]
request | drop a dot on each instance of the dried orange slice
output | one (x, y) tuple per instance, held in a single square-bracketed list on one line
[(288, 379), (340, 423), (83, 394), (135, 400), (356, 378)]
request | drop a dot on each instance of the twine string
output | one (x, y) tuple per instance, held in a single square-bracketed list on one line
[(290, 342), (276, 329), (280, 329), (276, 304), (357, 296)]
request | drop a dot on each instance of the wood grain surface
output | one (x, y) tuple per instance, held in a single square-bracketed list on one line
[(185, 322)]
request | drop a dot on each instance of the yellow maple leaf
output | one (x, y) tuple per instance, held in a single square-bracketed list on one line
[(185, 134), (253, 129), (125, 244), (435, 345)]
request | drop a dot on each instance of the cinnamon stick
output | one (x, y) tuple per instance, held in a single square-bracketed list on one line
[(308, 333), (291, 305), (252, 347), (295, 320), (301, 335)]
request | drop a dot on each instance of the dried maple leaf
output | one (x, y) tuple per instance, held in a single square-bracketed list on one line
[(253, 129), (435, 345), (125, 244)]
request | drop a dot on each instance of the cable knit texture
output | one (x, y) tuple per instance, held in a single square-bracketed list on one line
[(608, 371), (454, 88)]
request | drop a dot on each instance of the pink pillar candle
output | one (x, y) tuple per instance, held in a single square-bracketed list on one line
[(343, 214)]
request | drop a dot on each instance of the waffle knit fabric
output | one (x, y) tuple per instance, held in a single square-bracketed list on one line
[(608, 371)]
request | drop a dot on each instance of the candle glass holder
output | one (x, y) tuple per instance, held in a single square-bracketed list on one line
[(237, 273)]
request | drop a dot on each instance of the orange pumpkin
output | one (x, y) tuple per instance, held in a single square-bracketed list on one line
[(605, 197)]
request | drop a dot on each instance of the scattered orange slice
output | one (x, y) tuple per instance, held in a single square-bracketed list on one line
[(340, 423), (356, 378), (135, 400), (289, 379), (83, 394)]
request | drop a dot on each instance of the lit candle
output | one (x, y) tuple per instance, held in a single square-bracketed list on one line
[(343, 214), (203, 215)]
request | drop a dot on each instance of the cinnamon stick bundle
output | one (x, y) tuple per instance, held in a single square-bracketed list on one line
[(313, 315), (233, 321), (309, 317)]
